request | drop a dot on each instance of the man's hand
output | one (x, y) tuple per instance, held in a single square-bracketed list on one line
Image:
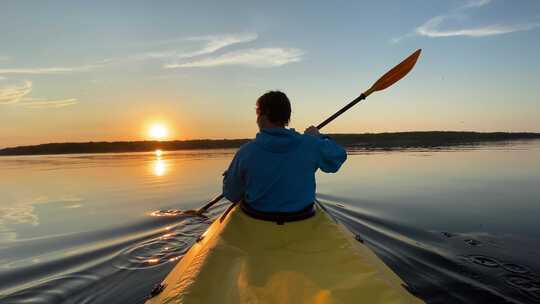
[(312, 131)]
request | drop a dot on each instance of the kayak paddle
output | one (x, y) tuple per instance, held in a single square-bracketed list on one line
[(388, 79)]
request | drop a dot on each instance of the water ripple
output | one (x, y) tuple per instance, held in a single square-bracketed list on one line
[(73, 274), (445, 267), (165, 248)]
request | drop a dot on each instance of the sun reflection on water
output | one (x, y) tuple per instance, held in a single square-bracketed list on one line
[(152, 260), (159, 166)]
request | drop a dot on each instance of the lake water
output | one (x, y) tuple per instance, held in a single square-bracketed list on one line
[(459, 225)]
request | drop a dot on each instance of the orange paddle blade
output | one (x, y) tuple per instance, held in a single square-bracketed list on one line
[(395, 74)]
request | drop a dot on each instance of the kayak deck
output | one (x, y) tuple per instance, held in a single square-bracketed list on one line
[(244, 260)]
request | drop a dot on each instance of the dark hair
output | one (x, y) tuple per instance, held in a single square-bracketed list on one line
[(276, 106)]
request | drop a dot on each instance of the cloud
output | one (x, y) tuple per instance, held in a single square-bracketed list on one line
[(475, 3), (201, 46), (204, 46), (52, 70), (14, 93), (42, 103), (215, 43), (4, 58), (210, 45), (433, 28), (261, 58)]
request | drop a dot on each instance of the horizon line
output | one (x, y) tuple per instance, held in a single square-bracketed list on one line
[(236, 139)]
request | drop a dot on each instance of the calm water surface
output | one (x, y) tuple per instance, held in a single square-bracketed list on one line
[(459, 225)]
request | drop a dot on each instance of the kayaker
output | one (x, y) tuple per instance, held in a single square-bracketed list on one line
[(275, 172)]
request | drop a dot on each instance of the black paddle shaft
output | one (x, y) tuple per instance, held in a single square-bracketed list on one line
[(212, 202), (345, 108)]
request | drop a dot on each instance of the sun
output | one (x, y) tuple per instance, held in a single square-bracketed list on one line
[(158, 132)]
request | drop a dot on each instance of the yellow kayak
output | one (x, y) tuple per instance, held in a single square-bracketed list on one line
[(240, 259)]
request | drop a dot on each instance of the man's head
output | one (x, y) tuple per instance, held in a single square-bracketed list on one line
[(273, 110)]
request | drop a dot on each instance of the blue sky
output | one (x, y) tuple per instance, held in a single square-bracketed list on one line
[(79, 71)]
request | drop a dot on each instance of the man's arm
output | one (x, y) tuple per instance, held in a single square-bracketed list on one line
[(331, 155), (233, 181)]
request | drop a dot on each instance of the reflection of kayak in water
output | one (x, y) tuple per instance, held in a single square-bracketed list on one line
[(244, 260)]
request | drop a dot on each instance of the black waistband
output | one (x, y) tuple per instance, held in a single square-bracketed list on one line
[(279, 217)]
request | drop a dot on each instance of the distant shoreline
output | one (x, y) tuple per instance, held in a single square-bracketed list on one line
[(368, 141)]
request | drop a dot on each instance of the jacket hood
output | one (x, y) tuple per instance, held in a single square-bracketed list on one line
[(278, 140)]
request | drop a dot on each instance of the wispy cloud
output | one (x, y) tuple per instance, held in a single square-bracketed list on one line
[(262, 58), (215, 43), (210, 44), (434, 27), (14, 93), (42, 103), (4, 58), (50, 70), (254, 57), (475, 3), (204, 53), (17, 94)]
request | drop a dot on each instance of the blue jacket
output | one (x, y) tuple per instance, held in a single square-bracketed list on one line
[(276, 171)]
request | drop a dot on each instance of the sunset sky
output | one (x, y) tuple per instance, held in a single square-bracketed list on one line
[(103, 70)]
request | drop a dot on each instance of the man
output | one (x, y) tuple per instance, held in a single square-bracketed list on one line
[(275, 173)]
